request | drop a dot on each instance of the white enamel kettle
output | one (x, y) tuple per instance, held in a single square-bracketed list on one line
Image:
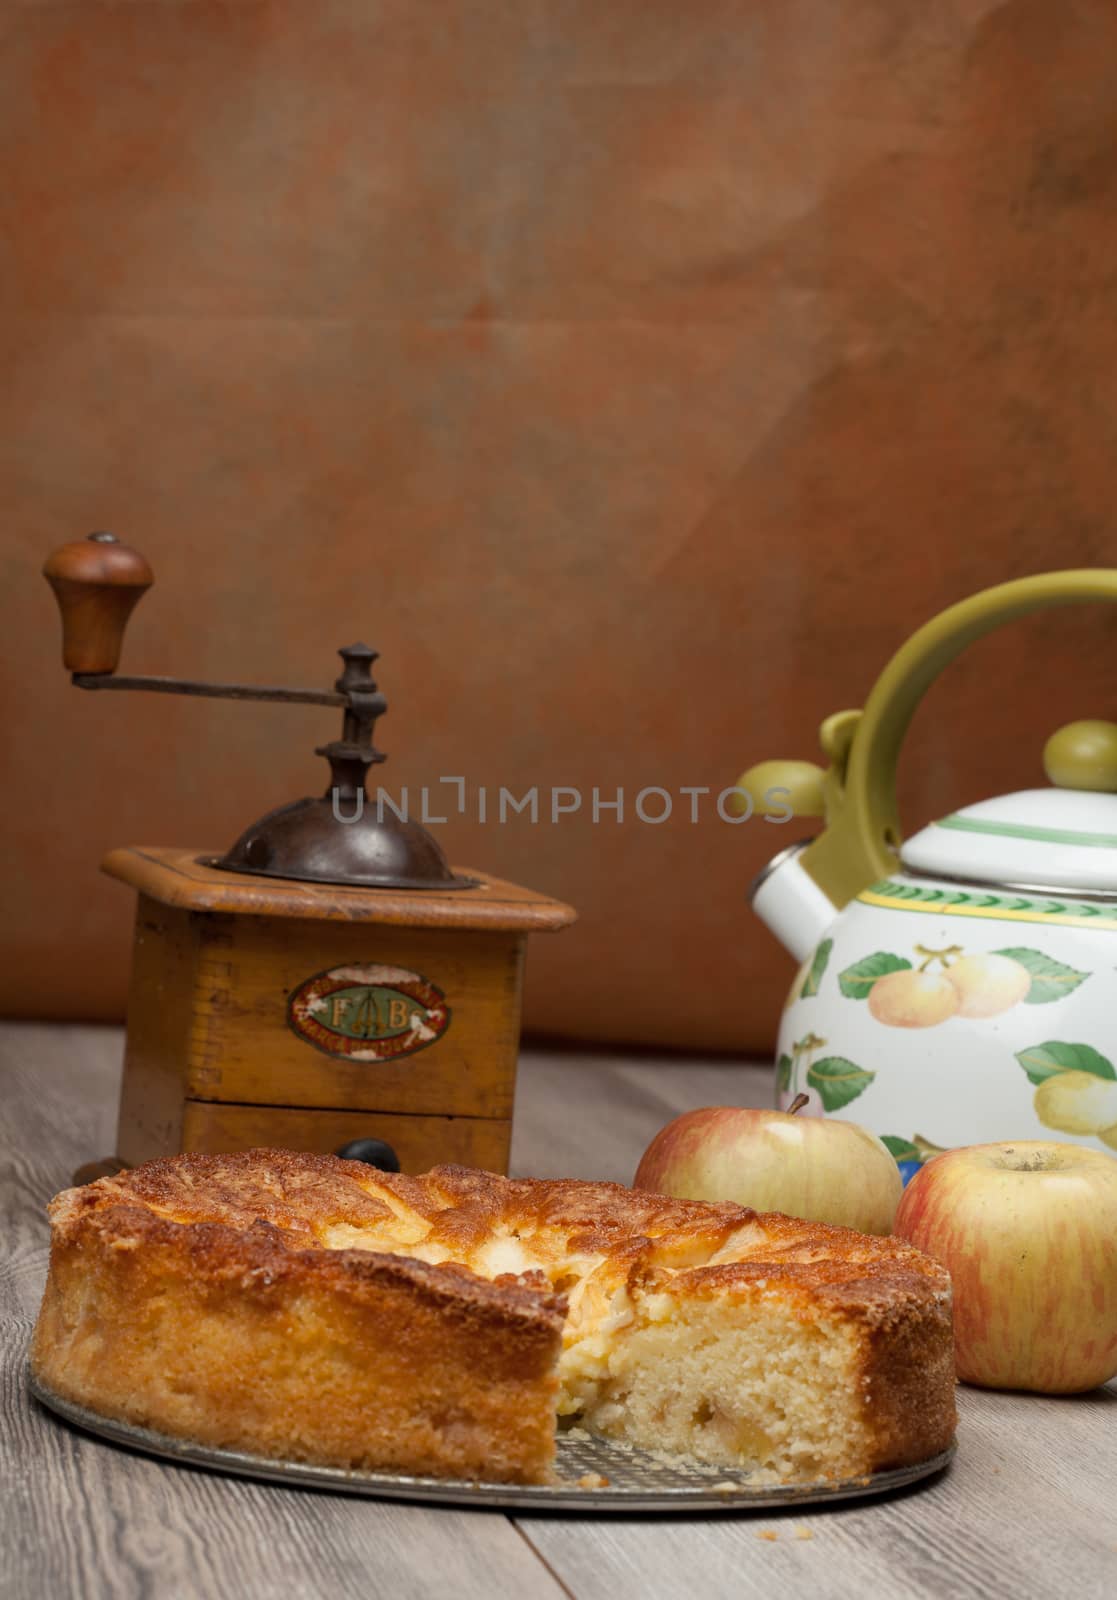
[(960, 986)]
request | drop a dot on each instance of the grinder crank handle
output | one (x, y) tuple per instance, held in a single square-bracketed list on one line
[(97, 582)]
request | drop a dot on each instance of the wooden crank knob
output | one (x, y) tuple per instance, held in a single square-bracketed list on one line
[(97, 583)]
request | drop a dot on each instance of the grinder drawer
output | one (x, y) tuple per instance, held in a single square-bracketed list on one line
[(419, 1142)]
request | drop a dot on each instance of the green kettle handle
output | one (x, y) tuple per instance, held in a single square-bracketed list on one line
[(861, 841)]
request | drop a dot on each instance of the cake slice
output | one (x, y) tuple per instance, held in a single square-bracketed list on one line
[(315, 1309)]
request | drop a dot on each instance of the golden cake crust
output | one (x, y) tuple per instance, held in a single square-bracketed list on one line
[(308, 1307)]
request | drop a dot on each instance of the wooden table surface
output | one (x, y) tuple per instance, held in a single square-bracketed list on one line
[(1029, 1508)]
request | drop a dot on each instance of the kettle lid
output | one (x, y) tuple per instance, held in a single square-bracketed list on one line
[(1064, 837)]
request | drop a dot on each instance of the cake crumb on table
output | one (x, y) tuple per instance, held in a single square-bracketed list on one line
[(803, 1533), (767, 1533), (593, 1480)]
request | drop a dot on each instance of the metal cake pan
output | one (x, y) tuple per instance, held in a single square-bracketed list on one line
[(636, 1480)]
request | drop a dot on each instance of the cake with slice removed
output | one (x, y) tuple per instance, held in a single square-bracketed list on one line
[(314, 1309)]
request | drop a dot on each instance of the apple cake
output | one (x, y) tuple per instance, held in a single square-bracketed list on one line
[(316, 1309)]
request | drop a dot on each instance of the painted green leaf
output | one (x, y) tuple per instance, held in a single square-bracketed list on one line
[(902, 1149), (783, 1072), (818, 967), (856, 981), (1043, 1061), (838, 1081), (1051, 980)]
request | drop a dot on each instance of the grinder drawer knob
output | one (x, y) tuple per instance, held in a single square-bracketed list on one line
[(373, 1151)]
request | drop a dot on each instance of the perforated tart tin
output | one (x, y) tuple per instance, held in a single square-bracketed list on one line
[(593, 1475)]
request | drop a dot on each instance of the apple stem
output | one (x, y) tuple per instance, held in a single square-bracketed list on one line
[(798, 1103), (937, 955)]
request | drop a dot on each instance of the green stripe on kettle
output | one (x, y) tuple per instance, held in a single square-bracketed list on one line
[(1021, 830)]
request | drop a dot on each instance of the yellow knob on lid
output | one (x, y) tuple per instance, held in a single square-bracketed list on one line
[(1083, 755)]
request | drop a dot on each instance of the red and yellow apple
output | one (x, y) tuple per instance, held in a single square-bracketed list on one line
[(1028, 1232), (813, 1167)]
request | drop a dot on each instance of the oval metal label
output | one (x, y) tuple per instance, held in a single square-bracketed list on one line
[(368, 1013)]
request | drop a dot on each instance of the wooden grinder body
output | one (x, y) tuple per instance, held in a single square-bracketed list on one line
[(217, 1058)]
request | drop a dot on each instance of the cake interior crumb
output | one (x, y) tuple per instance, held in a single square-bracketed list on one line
[(693, 1380)]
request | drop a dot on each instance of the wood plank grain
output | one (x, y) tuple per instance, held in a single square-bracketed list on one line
[(59, 1089)]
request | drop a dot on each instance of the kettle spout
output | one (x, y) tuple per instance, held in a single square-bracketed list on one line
[(788, 897), (788, 901)]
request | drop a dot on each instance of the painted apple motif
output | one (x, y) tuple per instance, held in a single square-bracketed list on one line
[(912, 1021), (988, 984), (949, 983), (1078, 1102), (1076, 1088), (913, 999)]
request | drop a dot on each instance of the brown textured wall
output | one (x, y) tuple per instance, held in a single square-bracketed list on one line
[(634, 375)]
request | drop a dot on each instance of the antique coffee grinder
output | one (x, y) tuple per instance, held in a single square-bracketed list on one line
[(330, 983)]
